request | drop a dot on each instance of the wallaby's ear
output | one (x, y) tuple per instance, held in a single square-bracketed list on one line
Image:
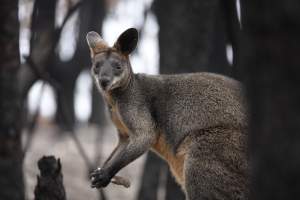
[(127, 41), (95, 42)]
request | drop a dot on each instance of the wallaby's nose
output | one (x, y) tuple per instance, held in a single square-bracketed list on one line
[(104, 82)]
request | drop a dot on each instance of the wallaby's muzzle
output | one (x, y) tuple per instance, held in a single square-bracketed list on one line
[(104, 82)]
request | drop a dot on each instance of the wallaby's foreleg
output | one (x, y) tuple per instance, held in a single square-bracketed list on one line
[(123, 141), (129, 150)]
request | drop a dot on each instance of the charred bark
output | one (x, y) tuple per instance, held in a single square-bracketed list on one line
[(270, 55), (11, 157), (150, 178), (192, 36), (50, 181)]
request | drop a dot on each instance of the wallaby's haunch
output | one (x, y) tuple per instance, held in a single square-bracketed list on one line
[(196, 122)]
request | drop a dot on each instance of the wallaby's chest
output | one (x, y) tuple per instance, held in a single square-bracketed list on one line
[(118, 121), (115, 115)]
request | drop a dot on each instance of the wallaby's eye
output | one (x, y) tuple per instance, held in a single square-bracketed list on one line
[(97, 67), (117, 65)]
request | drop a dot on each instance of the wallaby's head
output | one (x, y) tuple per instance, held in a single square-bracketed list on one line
[(111, 67)]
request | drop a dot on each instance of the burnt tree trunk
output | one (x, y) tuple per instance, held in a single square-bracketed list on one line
[(270, 51), (192, 36), (11, 157), (50, 181), (150, 178)]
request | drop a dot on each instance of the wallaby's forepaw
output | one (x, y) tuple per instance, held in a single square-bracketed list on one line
[(99, 178)]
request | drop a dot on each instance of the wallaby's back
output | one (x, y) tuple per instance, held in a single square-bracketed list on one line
[(186, 103)]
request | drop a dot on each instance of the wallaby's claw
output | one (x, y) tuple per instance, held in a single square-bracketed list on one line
[(99, 178), (94, 173)]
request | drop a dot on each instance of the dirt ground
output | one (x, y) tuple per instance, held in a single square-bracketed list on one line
[(48, 141)]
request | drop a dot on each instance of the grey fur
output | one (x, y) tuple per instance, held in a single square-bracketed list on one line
[(201, 116), (93, 38)]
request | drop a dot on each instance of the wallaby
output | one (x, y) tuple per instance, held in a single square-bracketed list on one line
[(196, 122)]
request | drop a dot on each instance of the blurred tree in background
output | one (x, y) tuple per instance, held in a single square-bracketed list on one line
[(91, 15), (45, 63), (270, 59), (11, 157), (192, 36)]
